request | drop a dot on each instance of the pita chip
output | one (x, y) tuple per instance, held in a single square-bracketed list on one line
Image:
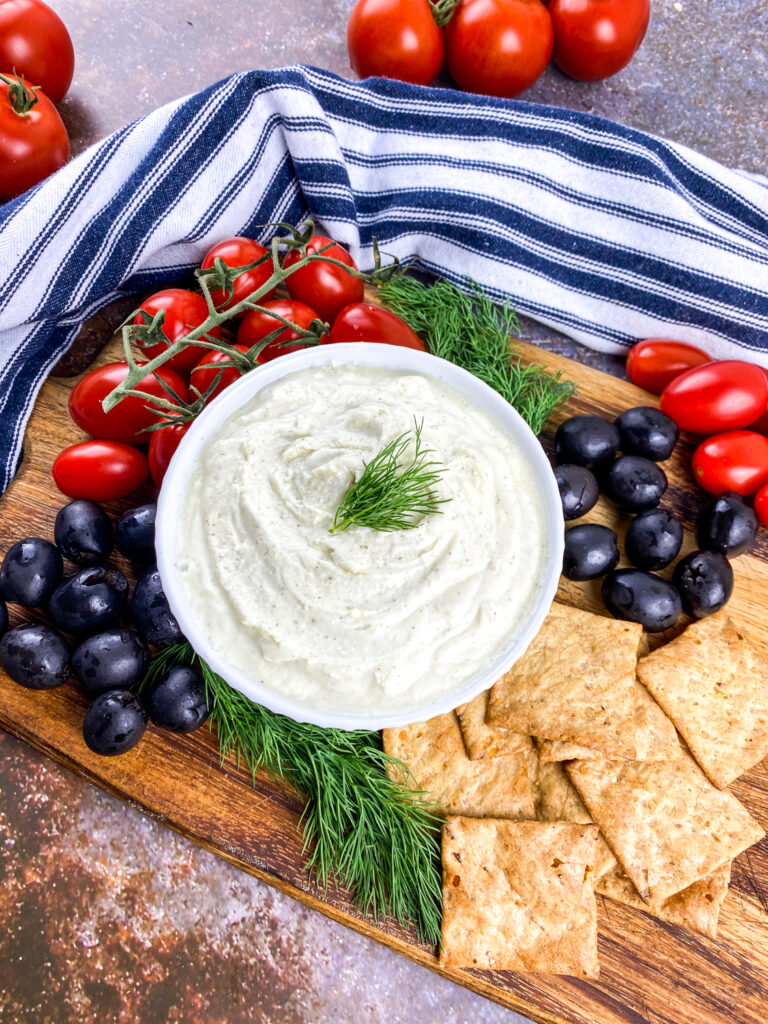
[(497, 787), (712, 681), (666, 823), (483, 740), (656, 738), (517, 895), (574, 683)]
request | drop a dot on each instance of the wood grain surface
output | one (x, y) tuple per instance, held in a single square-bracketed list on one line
[(650, 972)]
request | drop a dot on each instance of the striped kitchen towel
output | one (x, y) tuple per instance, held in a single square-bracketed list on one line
[(599, 231)]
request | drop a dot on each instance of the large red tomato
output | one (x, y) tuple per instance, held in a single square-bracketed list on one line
[(128, 419), (596, 38), (734, 461), (239, 252), (498, 47), (653, 363), (395, 39), (99, 470), (257, 325), (324, 286), (184, 311), (34, 41), (33, 140), (208, 369), (761, 423), (362, 321), (727, 394)]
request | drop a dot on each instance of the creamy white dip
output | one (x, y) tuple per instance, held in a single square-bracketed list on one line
[(358, 621)]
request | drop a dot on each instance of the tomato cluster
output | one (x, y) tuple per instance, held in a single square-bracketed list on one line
[(324, 306), (724, 400), (496, 47), (36, 66)]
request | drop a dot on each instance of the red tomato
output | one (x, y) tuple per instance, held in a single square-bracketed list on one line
[(653, 363), (100, 470), (256, 326), (162, 448), (498, 47), (395, 39), (362, 321), (761, 505), (126, 422), (596, 38), (323, 286), (209, 367), (239, 252), (734, 461), (723, 395), (34, 40), (33, 140), (184, 311), (761, 423)]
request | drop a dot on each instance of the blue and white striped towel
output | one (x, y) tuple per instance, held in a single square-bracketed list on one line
[(602, 232)]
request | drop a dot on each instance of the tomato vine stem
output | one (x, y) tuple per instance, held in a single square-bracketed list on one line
[(22, 97)]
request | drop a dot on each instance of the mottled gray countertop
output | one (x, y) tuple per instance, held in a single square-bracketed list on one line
[(106, 916)]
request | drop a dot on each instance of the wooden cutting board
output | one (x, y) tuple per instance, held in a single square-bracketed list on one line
[(650, 972)]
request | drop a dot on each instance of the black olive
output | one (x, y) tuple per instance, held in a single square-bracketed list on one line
[(578, 490), (726, 524), (587, 441), (35, 656), (114, 723), (135, 534), (114, 660), (591, 550), (634, 483), (641, 597), (653, 539), (705, 582), (154, 619), (3, 617), (647, 431), (89, 601), (30, 573), (178, 702), (83, 532)]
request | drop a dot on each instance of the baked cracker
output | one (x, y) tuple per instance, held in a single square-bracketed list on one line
[(564, 750), (656, 738), (573, 683), (696, 908), (517, 895), (664, 820), (484, 740), (434, 752), (712, 681)]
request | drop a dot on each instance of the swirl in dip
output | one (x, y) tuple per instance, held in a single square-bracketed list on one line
[(359, 620)]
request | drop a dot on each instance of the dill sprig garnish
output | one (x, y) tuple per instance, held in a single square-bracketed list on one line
[(388, 496), (362, 825), (469, 329)]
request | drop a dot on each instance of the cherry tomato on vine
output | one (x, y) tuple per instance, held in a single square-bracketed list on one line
[(162, 448), (184, 311), (395, 39), (324, 286), (33, 140), (209, 367), (653, 363), (734, 461), (239, 252), (596, 38), (256, 326), (362, 321), (727, 394), (761, 505), (100, 470), (126, 422), (498, 47), (34, 41)]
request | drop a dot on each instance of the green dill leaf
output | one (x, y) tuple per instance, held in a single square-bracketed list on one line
[(390, 496), (469, 329)]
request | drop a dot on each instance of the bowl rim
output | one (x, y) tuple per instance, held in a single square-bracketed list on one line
[(388, 357)]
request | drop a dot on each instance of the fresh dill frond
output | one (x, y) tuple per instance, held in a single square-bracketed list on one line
[(362, 825), (469, 329), (389, 496)]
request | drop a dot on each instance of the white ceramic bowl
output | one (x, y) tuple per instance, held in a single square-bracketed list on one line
[(391, 357)]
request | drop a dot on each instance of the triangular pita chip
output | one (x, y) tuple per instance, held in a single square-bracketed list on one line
[(484, 740)]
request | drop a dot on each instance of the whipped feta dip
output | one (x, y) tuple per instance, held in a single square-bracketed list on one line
[(360, 620)]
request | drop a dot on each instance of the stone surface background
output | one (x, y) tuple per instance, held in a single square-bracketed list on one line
[(106, 916)]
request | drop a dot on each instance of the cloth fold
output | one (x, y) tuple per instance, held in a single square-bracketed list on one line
[(599, 231)]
